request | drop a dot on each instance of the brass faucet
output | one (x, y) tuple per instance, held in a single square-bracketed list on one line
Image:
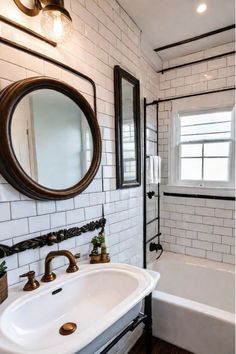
[(49, 275), (32, 283)]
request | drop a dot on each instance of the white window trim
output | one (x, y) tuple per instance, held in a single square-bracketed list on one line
[(198, 104)]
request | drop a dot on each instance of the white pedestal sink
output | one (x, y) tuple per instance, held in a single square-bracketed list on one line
[(100, 299)]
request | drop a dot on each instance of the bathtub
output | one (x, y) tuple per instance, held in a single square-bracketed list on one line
[(193, 304)]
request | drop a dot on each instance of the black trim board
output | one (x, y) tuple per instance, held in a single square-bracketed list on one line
[(200, 196), (160, 100), (196, 38), (162, 71), (55, 62), (26, 30)]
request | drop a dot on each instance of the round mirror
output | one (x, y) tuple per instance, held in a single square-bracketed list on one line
[(50, 140)]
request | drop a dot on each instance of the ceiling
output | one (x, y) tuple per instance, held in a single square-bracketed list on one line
[(167, 21)]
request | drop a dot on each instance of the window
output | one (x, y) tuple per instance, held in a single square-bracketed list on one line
[(205, 148)]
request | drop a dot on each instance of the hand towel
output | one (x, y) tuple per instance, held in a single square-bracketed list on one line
[(154, 170)]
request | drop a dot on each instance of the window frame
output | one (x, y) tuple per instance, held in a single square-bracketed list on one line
[(176, 164)]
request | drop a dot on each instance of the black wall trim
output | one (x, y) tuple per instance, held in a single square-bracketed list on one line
[(196, 38), (27, 30), (196, 61), (194, 94), (55, 62), (200, 196), (160, 100)]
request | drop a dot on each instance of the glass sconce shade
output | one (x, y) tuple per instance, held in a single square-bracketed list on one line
[(56, 21), (56, 24)]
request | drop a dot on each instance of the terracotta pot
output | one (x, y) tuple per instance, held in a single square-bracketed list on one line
[(3, 288)]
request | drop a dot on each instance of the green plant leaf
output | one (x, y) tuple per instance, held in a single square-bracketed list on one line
[(3, 267)]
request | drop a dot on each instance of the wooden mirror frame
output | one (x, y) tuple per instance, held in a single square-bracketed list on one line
[(10, 167), (120, 74)]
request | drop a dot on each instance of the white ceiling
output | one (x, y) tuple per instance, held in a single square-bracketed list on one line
[(167, 21)]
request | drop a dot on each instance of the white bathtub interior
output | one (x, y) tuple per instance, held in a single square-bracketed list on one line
[(207, 282), (193, 304)]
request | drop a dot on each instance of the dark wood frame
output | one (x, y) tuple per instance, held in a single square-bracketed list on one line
[(120, 74), (9, 165)]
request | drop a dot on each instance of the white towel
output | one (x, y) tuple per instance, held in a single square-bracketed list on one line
[(154, 170)]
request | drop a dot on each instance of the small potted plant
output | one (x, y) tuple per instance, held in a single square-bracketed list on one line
[(3, 282), (95, 255)]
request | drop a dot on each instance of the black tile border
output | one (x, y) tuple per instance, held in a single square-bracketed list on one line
[(200, 196)]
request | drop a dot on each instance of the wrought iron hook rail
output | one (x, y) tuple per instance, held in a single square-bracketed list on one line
[(51, 238)]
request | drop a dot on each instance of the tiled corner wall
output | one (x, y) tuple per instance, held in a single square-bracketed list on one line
[(104, 36), (197, 227)]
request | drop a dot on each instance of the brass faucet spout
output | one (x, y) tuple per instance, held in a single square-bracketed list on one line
[(48, 274)]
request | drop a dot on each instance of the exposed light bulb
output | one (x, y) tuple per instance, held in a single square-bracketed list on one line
[(201, 8), (56, 26)]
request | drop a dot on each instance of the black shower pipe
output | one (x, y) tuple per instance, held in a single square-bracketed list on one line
[(152, 246)]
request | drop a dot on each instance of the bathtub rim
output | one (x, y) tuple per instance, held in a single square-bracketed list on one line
[(194, 261), (195, 306)]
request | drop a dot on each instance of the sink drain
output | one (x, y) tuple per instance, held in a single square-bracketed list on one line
[(67, 328)]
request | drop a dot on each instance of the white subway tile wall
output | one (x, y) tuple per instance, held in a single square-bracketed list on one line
[(197, 227), (104, 36)]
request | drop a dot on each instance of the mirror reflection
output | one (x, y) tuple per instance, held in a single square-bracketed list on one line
[(51, 139), (128, 131)]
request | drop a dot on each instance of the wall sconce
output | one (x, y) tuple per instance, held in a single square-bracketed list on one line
[(56, 21)]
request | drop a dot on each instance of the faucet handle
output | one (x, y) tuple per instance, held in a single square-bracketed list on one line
[(77, 255), (32, 283)]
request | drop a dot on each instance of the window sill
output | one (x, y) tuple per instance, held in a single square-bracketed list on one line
[(207, 191)]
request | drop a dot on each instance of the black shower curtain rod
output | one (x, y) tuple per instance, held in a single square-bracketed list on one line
[(196, 38), (162, 71), (156, 102)]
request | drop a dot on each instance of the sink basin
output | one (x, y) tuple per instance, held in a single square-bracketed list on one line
[(95, 298)]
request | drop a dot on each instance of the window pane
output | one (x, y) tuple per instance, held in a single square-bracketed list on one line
[(191, 169), (216, 169), (210, 117), (216, 149), (206, 128), (205, 137), (208, 133), (191, 150)]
